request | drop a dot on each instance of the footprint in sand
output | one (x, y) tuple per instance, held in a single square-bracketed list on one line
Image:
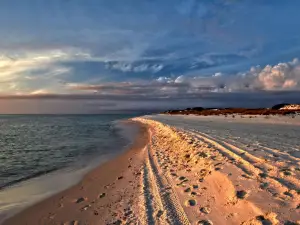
[(286, 172), (174, 174), (263, 175), (195, 186), (81, 199), (120, 177), (242, 194), (269, 218), (191, 202), (182, 178), (264, 185), (205, 210), (187, 190), (205, 222), (289, 194), (159, 213), (127, 211), (247, 176), (85, 207), (193, 193), (102, 195)]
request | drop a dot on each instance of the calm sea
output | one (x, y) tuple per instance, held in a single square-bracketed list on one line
[(33, 147)]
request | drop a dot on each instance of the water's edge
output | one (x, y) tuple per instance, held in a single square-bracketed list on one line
[(22, 195)]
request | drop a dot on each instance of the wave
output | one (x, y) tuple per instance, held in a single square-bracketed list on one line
[(34, 175)]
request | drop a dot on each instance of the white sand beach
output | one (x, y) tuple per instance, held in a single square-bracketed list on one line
[(148, 112), (188, 170)]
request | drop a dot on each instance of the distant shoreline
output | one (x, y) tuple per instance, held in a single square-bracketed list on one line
[(284, 110)]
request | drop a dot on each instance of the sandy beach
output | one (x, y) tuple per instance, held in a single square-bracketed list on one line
[(98, 198), (177, 173), (148, 112)]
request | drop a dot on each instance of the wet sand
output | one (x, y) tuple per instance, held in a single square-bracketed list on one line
[(97, 198)]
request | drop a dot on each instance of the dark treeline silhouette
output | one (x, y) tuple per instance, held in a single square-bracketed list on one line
[(275, 110)]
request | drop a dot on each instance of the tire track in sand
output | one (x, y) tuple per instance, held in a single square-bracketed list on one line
[(161, 204), (152, 205), (250, 164)]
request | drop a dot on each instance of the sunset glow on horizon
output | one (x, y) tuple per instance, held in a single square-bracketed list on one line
[(98, 56)]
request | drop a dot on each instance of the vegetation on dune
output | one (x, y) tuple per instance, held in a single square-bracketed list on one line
[(275, 110)]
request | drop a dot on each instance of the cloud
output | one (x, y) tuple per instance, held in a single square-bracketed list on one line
[(164, 80), (147, 51), (134, 67), (29, 71), (39, 92), (133, 90), (280, 77), (257, 87)]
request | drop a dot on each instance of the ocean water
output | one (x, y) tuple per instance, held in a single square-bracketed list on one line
[(41, 154)]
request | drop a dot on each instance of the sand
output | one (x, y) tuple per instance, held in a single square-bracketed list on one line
[(101, 197), (178, 176)]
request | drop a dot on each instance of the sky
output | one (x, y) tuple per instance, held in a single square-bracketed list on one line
[(98, 56)]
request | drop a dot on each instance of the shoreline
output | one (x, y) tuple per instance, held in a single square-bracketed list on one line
[(70, 201), (176, 174)]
